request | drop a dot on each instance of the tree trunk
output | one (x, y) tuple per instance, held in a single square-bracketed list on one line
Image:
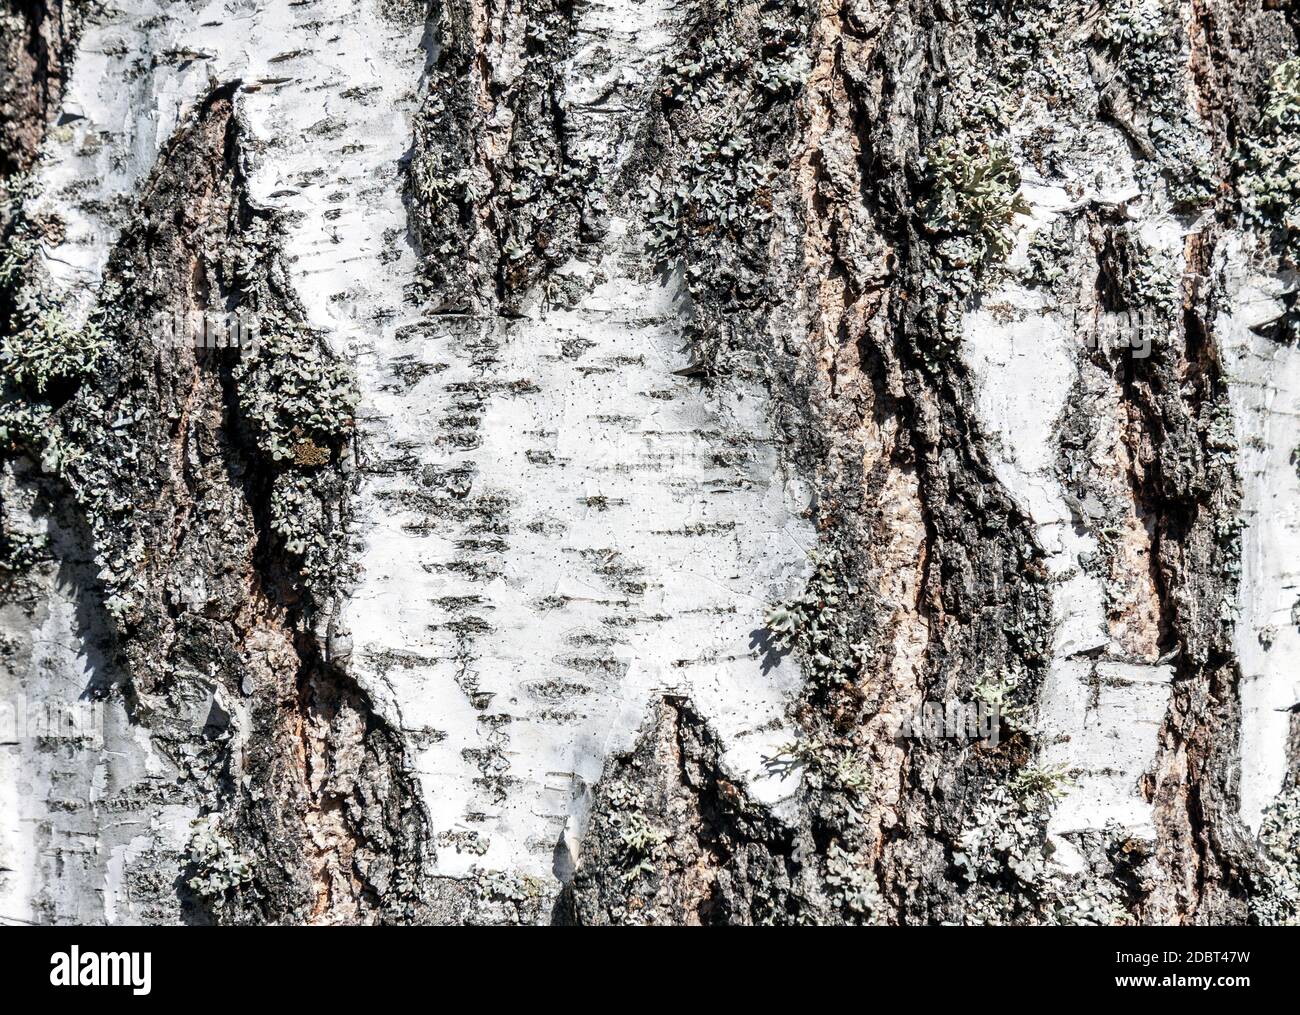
[(636, 462)]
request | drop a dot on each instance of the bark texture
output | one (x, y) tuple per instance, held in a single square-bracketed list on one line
[(657, 410)]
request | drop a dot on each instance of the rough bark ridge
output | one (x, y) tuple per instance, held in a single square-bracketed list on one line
[(38, 41), (673, 840), (656, 408)]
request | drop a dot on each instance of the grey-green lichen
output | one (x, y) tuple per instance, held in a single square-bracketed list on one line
[(44, 356), (298, 402), (825, 763), (819, 623), (717, 149), (1004, 855), (825, 625), (215, 869), (20, 547), (852, 885), (503, 897), (1276, 898), (1270, 163), (673, 839), (1002, 843), (42, 350), (974, 196), (964, 182), (1049, 254), (292, 393)]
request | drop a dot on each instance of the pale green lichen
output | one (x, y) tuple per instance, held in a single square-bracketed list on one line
[(1044, 783), (974, 197), (1270, 158), (216, 867), (1275, 899), (290, 392), (640, 841), (852, 885), (41, 347), (1001, 694), (825, 764), (967, 200), (818, 623)]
